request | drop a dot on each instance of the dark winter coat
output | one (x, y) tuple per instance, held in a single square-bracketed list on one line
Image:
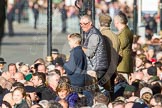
[(76, 67), (71, 99)]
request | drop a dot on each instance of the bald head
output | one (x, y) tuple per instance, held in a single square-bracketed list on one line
[(19, 76)]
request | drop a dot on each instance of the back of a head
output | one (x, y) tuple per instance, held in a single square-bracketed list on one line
[(129, 105), (8, 97), (152, 71), (122, 18), (65, 79), (44, 103), (118, 103), (39, 60), (158, 99), (54, 104), (105, 20), (17, 84), (158, 65), (7, 104), (156, 87), (37, 106), (139, 105), (99, 105), (101, 98), (76, 37)]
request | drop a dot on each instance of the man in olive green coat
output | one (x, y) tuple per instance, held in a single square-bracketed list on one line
[(125, 37)]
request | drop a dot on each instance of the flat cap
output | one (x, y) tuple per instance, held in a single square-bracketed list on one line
[(105, 18)]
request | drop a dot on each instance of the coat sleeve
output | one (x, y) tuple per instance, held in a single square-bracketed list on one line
[(125, 38), (124, 41), (47, 95), (70, 66)]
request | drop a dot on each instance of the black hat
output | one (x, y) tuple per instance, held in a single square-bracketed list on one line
[(2, 61), (58, 61), (30, 89), (55, 51)]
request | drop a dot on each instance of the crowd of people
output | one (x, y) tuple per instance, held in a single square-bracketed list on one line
[(104, 70)]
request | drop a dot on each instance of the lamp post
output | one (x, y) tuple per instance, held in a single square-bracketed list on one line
[(81, 5), (135, 17), (93, 11), (84, 6), (49, 31), (161, 17)]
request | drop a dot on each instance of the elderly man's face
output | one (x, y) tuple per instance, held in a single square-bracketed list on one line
[(85, 24)]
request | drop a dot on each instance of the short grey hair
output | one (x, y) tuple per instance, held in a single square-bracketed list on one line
[(51, 76), (122, 18), (44, 103), (86, 17)]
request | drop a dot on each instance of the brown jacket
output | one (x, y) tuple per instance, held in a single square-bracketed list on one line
[(125, 51), (113, 42)]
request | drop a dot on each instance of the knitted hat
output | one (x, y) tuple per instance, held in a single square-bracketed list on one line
[(28, 77), (144, 90)]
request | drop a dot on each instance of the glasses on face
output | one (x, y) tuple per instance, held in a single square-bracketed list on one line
[(84, 23)]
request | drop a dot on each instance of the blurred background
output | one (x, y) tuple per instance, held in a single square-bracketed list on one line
[(25, 24)]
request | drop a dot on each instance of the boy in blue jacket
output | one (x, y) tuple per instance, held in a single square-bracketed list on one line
[(76, 66)]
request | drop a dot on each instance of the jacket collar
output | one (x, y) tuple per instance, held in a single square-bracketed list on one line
[(77, 47), (126, 27), (104, 28)]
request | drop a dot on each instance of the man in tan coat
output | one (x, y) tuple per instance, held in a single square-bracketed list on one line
[(113, 48), (125, 37)]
